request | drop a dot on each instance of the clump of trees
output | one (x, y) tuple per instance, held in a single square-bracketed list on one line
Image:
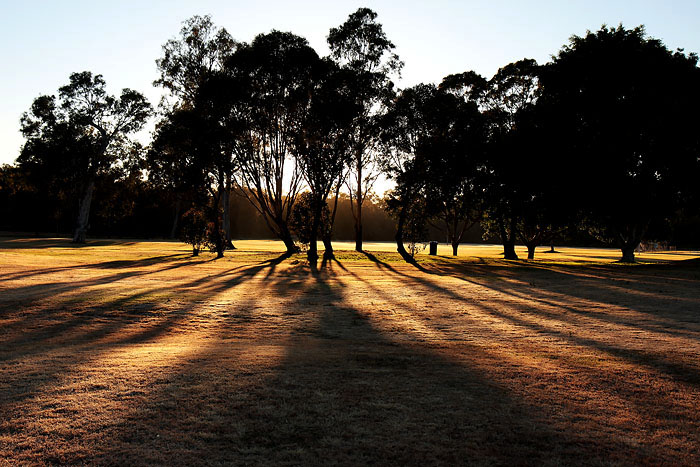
[(79, 136), (602, 139)]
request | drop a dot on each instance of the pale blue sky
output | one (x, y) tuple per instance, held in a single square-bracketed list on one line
[(44, 41)]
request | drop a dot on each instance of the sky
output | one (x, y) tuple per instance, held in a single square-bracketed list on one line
[(43, 42)]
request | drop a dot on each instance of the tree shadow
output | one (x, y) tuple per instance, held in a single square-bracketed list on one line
[(87, 328), (341, 390), (299, 370), (42, 243)]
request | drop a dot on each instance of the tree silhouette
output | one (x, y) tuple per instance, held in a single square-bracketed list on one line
[(626, 112), (324, 145), (361, 46), (87, 129), (187, 61), (414, 133), (186, 64), (455, 157), (512, 91), (279, 71)]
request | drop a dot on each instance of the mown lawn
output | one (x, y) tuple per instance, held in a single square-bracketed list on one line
[(134, 353)]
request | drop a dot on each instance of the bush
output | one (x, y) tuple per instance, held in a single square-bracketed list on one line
[(301, 219), (194, 230)]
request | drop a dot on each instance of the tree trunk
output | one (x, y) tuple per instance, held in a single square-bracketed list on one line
[(399, 237), (455, 246), (286, 237), (508, 242), (228, 244), (176, 218), (627, 254), (312, 253), (218, 240), (509, 250), (530, 251), (328, 248), (358, 218), (81, 224), (630, 241), (195, 251)]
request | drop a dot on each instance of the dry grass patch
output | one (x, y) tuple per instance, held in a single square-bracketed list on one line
[(134, 353)]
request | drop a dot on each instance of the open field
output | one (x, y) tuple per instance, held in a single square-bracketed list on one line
[(134, 353)]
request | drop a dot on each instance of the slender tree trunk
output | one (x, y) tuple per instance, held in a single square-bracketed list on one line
[(81, 225), (176, 218), (195, 251), (227, 216), (328, 247), (327, 235), (312, 253), (216, 218), (359, 200), (399, 237), (455, 246)]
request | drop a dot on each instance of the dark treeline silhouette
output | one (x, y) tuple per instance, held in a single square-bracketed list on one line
[(264, 139)]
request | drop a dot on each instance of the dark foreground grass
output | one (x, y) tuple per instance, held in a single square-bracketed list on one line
[(132, 356)]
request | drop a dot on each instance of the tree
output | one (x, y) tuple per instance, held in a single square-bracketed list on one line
[(508, 95), (455, 158), (323, 146), (189, 147), (411, 128), (278, 71), (361, 46), (301, 221), (625, 110), (194, 229), (186, 64), (86, 129)]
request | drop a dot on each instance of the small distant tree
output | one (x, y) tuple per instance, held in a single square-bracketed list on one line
[(87, 129), (302, 219), (415, 229), (194, 229)]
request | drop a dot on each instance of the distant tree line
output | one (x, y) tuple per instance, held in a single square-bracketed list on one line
[(601, 141)]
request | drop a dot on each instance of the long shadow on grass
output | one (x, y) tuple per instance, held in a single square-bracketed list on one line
[(343, 392), (647, 400), (653, 290), (492, 278), (41, 243), (87, 331)]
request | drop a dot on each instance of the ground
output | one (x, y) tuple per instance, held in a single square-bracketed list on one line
[(134, 353)]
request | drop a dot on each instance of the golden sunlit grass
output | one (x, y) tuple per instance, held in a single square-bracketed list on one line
[(126, 353)]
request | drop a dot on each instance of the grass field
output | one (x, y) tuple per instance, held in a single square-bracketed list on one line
[(134, 353)]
